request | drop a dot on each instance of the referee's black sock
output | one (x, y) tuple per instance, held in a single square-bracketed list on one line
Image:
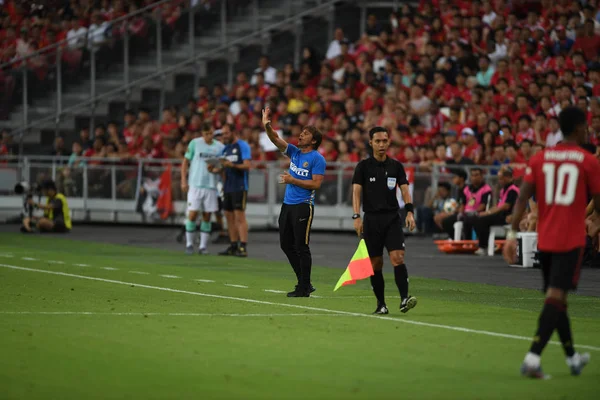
[(546, 324), (378, 285), (401, 276), (563, 327)]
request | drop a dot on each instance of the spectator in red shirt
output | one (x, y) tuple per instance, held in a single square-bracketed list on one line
[(472, 148), (524, 129), (589, 43), (168, 126)]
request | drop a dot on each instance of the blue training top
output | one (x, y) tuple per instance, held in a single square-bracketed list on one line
[(302, 166), (236, 180)]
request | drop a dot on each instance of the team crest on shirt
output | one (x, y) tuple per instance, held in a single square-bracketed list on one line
[(234, 151), (391, 183), (305, 164)]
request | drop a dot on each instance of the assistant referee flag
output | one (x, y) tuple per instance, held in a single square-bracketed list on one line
[(359, 268)]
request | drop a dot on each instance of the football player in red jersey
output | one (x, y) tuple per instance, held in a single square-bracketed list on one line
[(562, 179)]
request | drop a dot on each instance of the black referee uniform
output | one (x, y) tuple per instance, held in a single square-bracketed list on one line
[(383, 224)]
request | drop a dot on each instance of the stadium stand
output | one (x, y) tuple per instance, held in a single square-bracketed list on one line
[(456, 82)]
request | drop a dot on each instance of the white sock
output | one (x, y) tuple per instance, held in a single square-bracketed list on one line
[(189, 238), (532, 360), (204, 236), (574, 360)]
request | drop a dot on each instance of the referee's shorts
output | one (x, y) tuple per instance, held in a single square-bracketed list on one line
[(383, 230), (235, 201)]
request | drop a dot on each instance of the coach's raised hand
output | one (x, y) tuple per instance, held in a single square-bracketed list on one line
[(273, 136), (266, 116)]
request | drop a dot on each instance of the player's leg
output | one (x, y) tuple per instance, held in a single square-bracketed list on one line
[(210, 204), (45, 225), (394, 243), (286, 239), (567, 277), (372, 234), (241, 224), (193, 205), (231, 227), (554, 305), (302, 222)]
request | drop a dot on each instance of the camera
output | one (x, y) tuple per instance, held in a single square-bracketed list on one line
[(28, 190)]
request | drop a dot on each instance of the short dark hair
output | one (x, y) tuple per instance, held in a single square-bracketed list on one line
[(570, 118), (461, 173), (477, 169), (316, 135), (48, 185), (507, 171), (377, 129), (445, 185), (206, 126)]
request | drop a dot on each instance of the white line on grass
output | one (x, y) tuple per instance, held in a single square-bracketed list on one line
[(204, 280), (297, 306), (29, 259), (238, 286), (274, 291), (6, 255), (170, 276), (55, 262), (170, 314), (81, 265), (138, 272), (110, 268)]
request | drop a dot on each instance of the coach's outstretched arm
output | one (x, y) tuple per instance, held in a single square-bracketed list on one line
[(410, 216), (356, 199), (273, 136)]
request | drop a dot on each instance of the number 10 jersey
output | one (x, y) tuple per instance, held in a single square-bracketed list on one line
[(565, 177)]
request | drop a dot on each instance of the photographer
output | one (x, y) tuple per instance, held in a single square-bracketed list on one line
[(57, 217)]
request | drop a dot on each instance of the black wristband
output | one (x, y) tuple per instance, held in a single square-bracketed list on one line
[(409, 208)]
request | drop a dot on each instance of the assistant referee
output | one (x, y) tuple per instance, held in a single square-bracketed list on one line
[(375, 181)]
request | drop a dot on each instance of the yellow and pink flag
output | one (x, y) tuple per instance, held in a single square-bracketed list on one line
[(359, 268)]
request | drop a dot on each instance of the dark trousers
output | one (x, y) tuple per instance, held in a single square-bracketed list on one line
[(448, 225), (483, 224), (425, 221), (295, 221)]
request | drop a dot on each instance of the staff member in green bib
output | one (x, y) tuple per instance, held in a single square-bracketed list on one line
[(57, 217)]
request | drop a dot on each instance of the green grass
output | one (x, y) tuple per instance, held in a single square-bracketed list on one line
[(132, 346)]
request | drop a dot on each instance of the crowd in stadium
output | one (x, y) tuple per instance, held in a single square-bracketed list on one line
[(455, 82)]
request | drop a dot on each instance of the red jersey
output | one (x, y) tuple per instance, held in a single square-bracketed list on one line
[(564, 177)]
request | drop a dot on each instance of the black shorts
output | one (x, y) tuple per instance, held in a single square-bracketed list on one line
[(383, 230), (561, 270), (235, 201)]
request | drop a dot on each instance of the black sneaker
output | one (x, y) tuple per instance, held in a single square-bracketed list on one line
[(241, 252), (381, 309), (312, 288), (408, 303), (230, 251), (299, 292)]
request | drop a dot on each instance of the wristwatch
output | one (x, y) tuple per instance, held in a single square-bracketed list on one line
[(356, 216)]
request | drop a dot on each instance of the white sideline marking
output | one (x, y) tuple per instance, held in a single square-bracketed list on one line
[(138, 272), (204, 280), (238, 286), (297, 306), (81, 265), (274, 291), (170, 276), (55, 262), (29, 259), (168, 314), (6, 255), (110, 268)]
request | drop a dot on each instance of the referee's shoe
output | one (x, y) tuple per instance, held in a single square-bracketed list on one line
[(408, 303)]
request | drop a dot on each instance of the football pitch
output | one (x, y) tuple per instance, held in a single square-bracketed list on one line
[(84, 320)]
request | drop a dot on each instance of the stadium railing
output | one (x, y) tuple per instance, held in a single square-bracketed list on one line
[(194, 58), (113, 190)]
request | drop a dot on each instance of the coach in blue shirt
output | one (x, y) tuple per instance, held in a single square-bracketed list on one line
[(307, 169), (236, 164)]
